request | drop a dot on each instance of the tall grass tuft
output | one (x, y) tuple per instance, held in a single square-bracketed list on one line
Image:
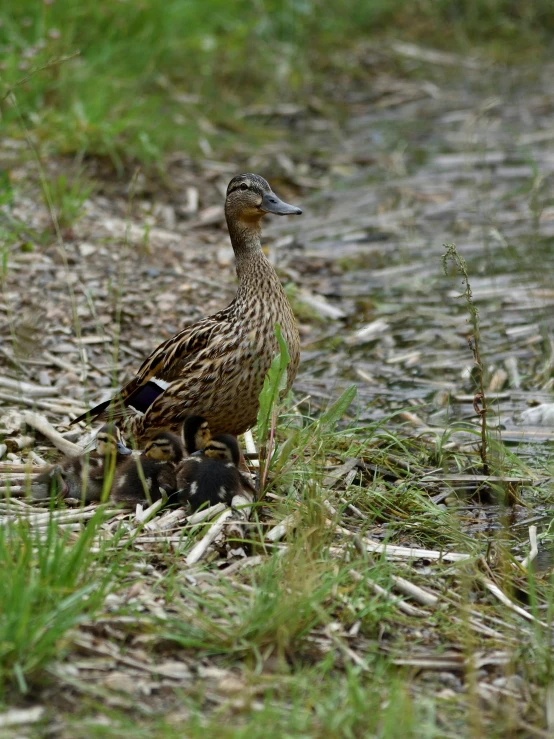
[(51, 582)]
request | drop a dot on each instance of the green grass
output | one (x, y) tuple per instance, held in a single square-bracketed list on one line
[(148, 80), (51, 583), (298, 645), (65, 197)]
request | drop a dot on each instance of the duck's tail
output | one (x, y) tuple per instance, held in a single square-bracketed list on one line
[(126, 405), (93, 413)]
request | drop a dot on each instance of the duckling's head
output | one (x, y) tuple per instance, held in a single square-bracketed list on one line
[(196, 433), (249, 197), (225, 448), (164, 447), (108, 441)]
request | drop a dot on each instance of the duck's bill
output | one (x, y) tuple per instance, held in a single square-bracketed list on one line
[(272, 204), (122, 449)]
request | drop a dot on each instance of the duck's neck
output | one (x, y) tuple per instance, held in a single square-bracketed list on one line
[(246, 238)]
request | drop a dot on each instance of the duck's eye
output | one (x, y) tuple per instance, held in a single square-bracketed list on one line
[(244, 186)]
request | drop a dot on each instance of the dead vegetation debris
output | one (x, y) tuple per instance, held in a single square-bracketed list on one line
[(421, 163)]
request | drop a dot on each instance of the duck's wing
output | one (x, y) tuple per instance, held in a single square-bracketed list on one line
[(161, 368), (200, 375)]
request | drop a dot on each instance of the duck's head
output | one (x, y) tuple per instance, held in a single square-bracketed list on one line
[(164, 447), (196, 433), (108, 441), (225, 448), (249, 197)]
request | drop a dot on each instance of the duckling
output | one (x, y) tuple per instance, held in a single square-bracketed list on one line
[(83, 477), (49, 483), (211, 475), (195, 434), (216, 367), (157, 464)]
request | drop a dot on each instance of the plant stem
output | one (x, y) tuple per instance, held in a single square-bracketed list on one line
[(479, 401)]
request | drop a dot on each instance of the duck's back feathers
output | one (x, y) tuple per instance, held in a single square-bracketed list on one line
[(131, 487), (212, 476), (79, 477), (204, 482), (158, 373)]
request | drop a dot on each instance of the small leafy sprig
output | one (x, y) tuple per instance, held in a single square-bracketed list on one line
[(479, 399), (274, 384)]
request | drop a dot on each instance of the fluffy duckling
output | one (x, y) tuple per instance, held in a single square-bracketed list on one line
[(195, 434), (49, 483), (152, 475), (211, 475), (83, 477)]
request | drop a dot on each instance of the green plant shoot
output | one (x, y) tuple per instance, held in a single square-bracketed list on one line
[(274, 383)]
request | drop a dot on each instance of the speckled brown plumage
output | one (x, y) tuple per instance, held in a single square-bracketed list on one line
[(216, 367)]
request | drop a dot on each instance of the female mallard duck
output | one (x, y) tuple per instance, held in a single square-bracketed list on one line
[(85, 476), (152, 474), (211, 475), (216, 367)]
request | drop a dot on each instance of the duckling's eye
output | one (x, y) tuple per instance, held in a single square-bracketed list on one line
[(244, 186)]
